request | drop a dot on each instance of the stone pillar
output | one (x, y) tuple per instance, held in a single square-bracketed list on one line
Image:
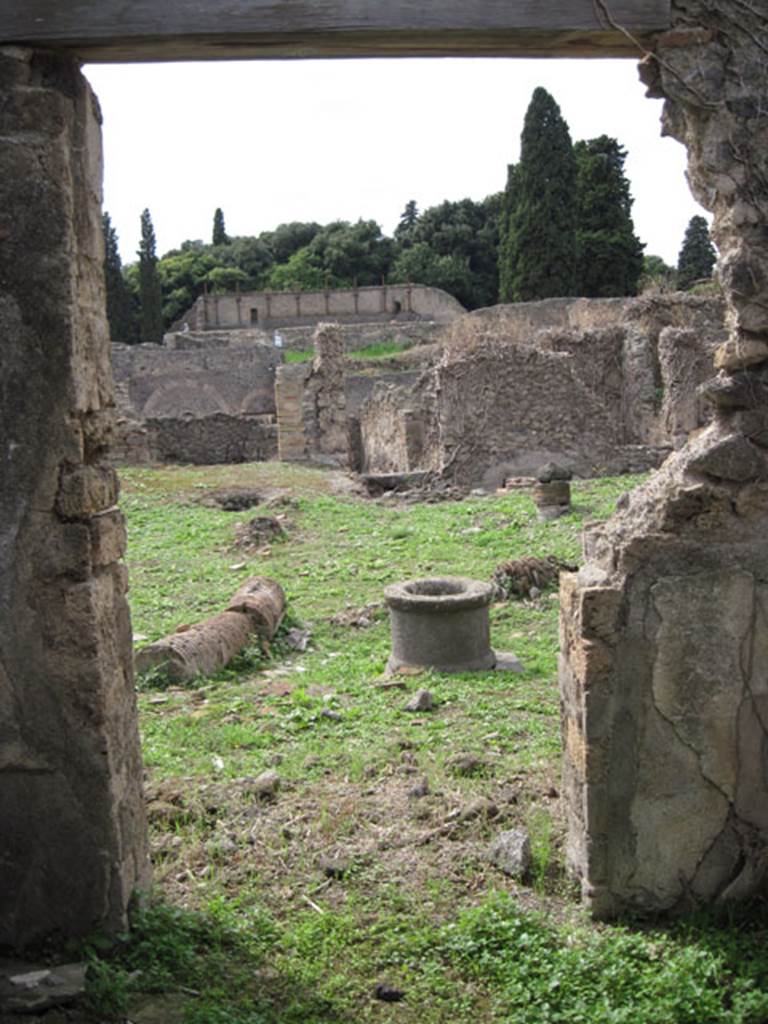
[(324, 403), (73, 845), (664, 631)]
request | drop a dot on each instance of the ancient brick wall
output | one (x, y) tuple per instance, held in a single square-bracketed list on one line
[(74, 843)]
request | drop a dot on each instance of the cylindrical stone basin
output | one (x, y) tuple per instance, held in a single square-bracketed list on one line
[(440, 623)]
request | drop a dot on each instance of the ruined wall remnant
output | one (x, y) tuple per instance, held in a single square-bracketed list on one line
[(74, 841), (575, 380), (207, 404), (312, 405), (399, 430), (664, 659)]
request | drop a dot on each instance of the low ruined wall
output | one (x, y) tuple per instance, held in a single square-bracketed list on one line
[(607, 385), (357, 336), (211, 440)]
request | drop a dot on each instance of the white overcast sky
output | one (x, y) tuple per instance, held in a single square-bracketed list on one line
[(275, 141)]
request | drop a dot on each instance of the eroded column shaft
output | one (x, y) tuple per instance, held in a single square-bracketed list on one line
[(72, 829)]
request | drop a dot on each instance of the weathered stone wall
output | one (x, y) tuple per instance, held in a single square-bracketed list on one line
[(664, 650), (213, 439), (398, 429), (160, 382), (73, 831), (204, 405), (585, 381), (323, 402), (268, 310), (504, 410)]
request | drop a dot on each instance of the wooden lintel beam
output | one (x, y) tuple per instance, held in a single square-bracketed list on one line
[(146, 30)]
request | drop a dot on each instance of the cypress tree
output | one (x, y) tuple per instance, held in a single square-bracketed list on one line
[(539, 243), (507, 252), (150, 298), (408, 221), (609, 252), (120, 317), (697, 257), (220, 236)]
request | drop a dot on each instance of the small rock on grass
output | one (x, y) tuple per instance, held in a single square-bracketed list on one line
[(465, 764), (162, 812), (421, 788), (265, 786), (511, 852), (422, 700), (482, 807), (388, 993), (333, 867)]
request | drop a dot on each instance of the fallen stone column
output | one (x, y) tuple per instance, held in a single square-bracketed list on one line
[(256, 609)]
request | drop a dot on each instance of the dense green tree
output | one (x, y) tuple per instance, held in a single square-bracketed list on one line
[(302, 272), (540, 233), (226, 279), (287, 239), (657, 273), (220, 236), (406, 225), (467, 230), (150, 298), (121, 315), (610, 255), (349, 253), (697, 257), (182, 274), (420, 264)]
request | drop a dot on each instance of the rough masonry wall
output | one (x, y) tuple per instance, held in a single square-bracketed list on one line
[(664, 631), (73, 831), (206, 404), (398, 428)]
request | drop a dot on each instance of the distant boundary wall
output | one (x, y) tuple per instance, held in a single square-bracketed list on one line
[(270, 310)]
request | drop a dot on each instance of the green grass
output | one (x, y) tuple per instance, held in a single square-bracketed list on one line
[(377, 351), (382, 348), (299, 355), (245, 927)]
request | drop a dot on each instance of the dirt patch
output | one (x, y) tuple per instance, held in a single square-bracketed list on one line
[(397, 827)]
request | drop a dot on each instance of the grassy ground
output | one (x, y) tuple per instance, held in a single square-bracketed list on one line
[(369, 865), (382, 348)]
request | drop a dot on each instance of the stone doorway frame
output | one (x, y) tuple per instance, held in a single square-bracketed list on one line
[(70, 764)]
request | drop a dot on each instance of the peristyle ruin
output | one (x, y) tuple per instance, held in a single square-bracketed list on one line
[(664, 647)]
